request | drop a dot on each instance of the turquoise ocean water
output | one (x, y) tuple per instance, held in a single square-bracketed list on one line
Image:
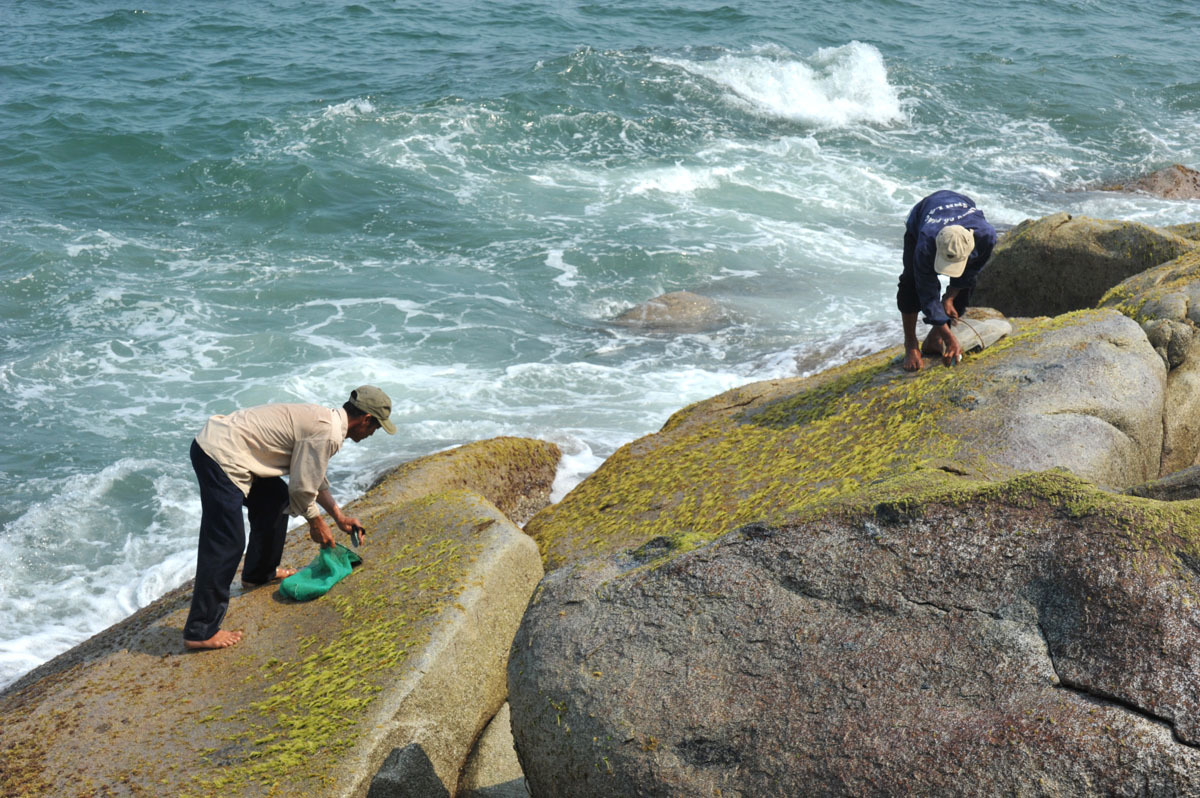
[(205, 206)]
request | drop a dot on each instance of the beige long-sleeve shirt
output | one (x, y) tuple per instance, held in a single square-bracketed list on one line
[(274, 440)]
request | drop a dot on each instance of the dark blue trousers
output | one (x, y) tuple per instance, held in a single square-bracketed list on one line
[(223, 537)]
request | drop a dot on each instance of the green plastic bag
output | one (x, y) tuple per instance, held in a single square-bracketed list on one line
[(329, 567)]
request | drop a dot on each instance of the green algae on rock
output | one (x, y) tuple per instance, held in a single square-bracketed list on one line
[(514, 474), (1150, 293), (409, 649), (784, 448)]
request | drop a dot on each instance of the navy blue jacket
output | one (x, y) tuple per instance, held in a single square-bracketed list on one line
[(941, 209)]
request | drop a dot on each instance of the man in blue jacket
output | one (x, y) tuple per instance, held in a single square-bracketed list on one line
[(945, 235)]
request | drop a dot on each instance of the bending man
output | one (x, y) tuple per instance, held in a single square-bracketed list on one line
[(239, 460), (945, 234)]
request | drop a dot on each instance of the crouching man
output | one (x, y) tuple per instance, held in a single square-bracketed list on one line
[(240, 460), (945, 234)]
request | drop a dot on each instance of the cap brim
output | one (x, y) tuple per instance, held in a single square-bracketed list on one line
[(949, 268), (388, 426)]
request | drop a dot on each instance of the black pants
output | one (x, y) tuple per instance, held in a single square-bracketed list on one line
[(223, 536), (907, 301)]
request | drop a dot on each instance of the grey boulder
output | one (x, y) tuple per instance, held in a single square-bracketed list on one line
[(1036, 637), (1062, 263)]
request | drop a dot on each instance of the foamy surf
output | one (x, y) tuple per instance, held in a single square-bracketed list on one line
[(455, 206)]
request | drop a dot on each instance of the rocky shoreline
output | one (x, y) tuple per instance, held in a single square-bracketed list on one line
[(863, 582)]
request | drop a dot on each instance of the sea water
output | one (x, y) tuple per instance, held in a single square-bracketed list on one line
[(215, 205)]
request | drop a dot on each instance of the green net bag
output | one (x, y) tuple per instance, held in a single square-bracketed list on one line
[(329, 567)]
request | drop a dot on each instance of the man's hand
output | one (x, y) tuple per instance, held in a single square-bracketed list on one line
[(318, 530), (344, 522), (951, 350), (948, 302), (948, 306), (348, 525)]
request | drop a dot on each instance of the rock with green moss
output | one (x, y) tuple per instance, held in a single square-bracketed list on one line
[(929, 636), (1187, 230), (1062, 263), (1180, 485), (1082, 392), (1170, 290), (1166, 301), (515, 474), (407, 654)]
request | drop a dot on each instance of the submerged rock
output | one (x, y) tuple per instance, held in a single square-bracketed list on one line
[(677, 312), (403, 661), (1062, 263), (1036, 637), (1174, 182)]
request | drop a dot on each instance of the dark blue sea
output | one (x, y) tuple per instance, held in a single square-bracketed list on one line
[(210, 205)]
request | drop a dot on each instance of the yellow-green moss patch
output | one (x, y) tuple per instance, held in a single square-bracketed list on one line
[(707, 473), (312, 707)]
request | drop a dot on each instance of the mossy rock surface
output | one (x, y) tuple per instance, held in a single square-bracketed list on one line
[(1083, 391), (1165, 300), (1187, 230), (1062, 263), (410, 648), (929, 635), (515, 474), (1168, 291)]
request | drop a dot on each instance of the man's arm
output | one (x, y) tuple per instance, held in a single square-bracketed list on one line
[(344, 522)]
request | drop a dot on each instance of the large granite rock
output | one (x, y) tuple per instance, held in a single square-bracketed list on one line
[(1062, 263), (937, 637), (1174, 182), (1187, 230), (493, 770), (1177, 486), (515, 474), (403, 662), (1083, 392), (1166, 301)]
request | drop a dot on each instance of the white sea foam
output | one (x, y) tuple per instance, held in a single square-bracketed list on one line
[(777, 182), (834, 87), (569, 273), (62, 580)]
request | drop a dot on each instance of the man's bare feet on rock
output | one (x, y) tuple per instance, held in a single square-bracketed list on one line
[(221, 639), (280, 573), (912, 360)]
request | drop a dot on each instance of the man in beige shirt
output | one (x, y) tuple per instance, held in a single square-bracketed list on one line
[(240, 460)]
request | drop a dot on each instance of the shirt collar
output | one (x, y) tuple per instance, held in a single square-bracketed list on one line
[(340, 422)]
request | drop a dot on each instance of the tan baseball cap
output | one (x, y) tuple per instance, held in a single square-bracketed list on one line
[(955, 244), (370, 399)]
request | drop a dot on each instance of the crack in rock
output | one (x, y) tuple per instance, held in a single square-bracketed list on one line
[(1108, 699)]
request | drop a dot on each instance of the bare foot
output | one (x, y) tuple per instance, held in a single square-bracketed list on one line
[(221, 639), (280, 573), (912, 360)]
